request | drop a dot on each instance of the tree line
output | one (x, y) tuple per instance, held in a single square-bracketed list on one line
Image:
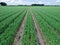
[(3, 4), (37, 5)]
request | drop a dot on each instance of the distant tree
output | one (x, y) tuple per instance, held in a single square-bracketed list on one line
[(37, 5), (3, 4)]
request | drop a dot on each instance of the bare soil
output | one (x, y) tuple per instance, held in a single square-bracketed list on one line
[(20, 32), (41, 41)]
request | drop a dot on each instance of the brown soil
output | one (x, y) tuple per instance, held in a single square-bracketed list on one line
[(20, 32), (41, 41)]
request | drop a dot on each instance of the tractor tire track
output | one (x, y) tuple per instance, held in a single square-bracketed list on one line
[(20, 31), (41, 41)]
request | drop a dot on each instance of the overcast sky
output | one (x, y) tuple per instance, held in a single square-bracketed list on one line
[(28, 2)]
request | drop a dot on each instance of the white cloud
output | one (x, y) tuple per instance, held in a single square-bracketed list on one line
[(58, 1), (28, 2), (4, 0), (14, 2)]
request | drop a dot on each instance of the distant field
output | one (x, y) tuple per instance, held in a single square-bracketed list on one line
[(47, 20)]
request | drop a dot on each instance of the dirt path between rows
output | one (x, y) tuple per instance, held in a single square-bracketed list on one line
[(41, 41), (20, 32)]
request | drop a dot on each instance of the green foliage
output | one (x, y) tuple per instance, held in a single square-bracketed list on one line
[(49, 21), (9, 26), (29, 35)]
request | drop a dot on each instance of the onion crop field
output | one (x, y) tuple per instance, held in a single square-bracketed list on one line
[(29, 25)]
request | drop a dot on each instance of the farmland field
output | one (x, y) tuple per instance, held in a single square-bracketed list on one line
[(41, 26)]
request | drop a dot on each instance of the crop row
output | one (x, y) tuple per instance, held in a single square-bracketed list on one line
[(29, 35), (50, 35), (5, 24), (52, 22), (7, 37), (7, 10), (2, 18), (55, 12)]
